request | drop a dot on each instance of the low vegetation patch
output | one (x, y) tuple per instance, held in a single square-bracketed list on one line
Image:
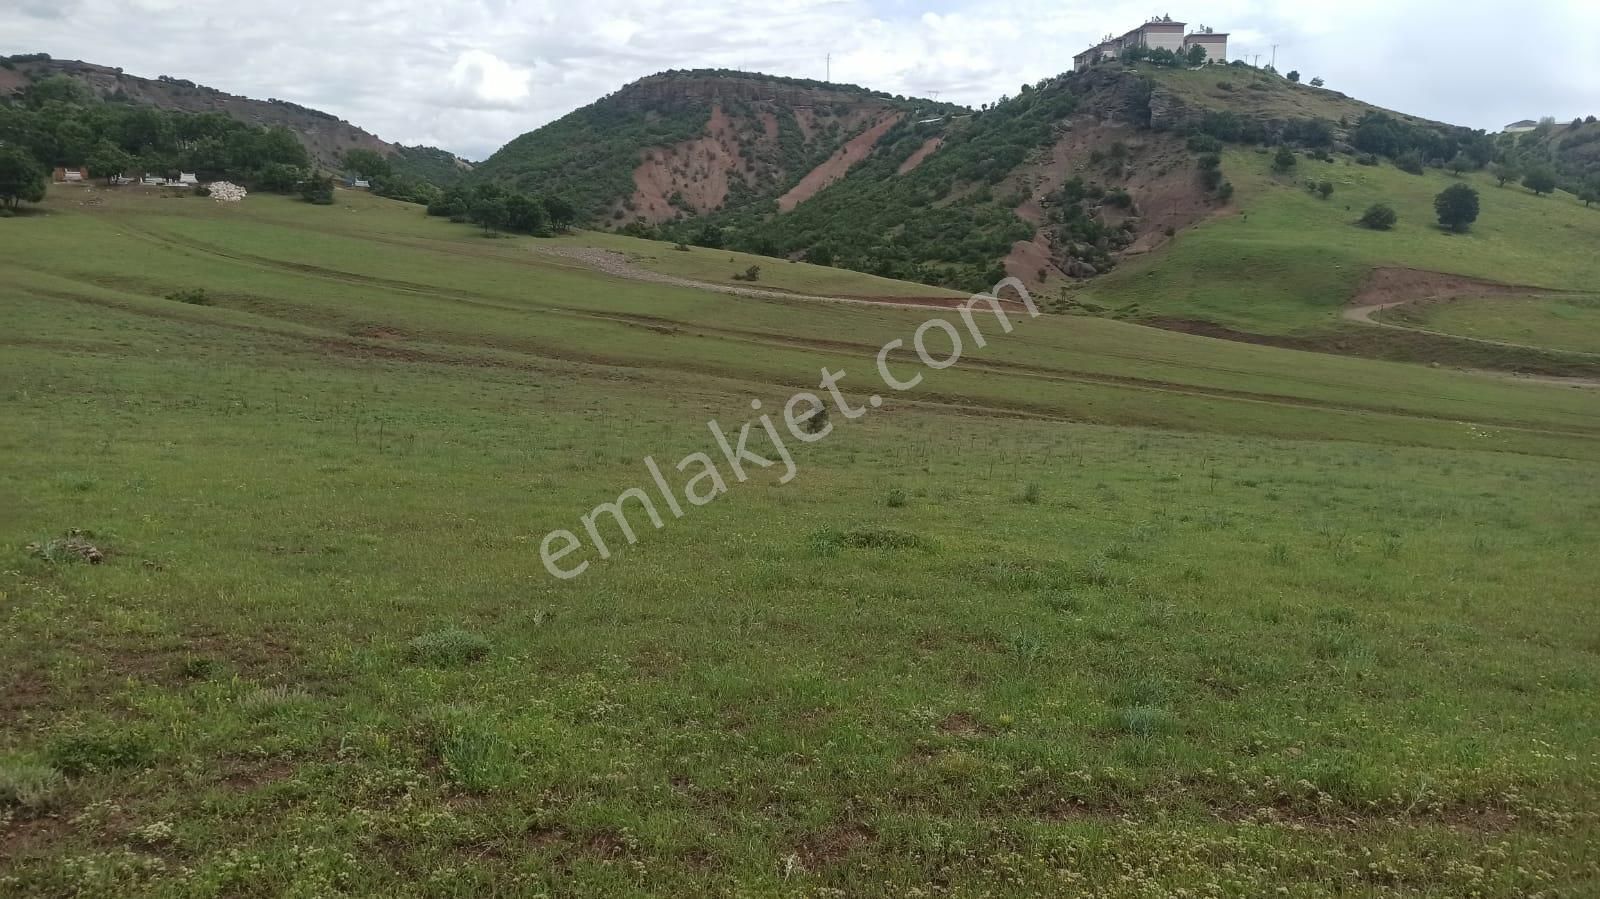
[(447, 648)]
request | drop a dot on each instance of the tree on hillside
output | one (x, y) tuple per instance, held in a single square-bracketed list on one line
[(107, 160), (367, 164), (1285, 160), (1411, 162), (1590, 193), (525, 215), (1541, 180), (1457, 206), (1197, 55), (1294, 76), (21, 179), (709, 236), (318, 189), (1325, 189), (1317, 82), (490, 211), (1379, 217), (1461, 162), (1505, 171), (560, 212)]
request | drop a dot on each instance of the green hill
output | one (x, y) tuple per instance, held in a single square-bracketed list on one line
[(694, 142)]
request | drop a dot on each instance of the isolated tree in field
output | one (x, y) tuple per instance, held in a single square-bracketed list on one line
[(1457, 206), (1317, 82), (1197, 55), (1504, 172), (1294, 76), (1379, 217), (1285, 160), (1325, 189), (367, 163), (21, 179), (1540, 180)]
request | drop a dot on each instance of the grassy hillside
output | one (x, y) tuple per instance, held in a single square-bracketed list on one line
[(1284, 261), (1101, 608), (1567, 323)]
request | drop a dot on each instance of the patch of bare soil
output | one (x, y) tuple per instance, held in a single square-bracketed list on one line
[(837, 165), (1160, 175), (697, 171), (1391, 285), (927, 149)]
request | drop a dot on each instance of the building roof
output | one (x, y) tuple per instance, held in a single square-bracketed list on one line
[(1206, 35)]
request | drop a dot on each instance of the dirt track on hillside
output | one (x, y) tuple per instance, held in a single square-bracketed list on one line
[(1389, 287), (613, 263)]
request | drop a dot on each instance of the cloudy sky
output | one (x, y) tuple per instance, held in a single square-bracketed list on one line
[(468, 75)]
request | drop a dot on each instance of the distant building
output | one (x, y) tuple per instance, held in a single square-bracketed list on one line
[(67, 175), (187, 178), (361, 183), (1522, 127), (1156, 34)]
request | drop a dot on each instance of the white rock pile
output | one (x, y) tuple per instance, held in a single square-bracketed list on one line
[(227, 192)]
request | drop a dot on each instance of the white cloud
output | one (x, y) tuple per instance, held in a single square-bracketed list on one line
[(481, 80), (471, 74)]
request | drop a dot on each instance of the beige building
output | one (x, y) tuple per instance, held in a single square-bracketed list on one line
[(1156, 34)]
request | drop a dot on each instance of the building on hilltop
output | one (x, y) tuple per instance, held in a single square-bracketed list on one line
[(1157, 34), (1522, 127)]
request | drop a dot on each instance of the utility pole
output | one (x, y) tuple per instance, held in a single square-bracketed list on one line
[(1274, 62), (829, 76)]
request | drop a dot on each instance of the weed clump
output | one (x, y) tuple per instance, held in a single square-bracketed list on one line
[(89, 752), (26, 784), (473, 753), (74, 546), (1144, 720), (449, 648), (195, 296), (829, 541)]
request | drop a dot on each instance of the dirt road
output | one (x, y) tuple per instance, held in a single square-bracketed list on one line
[(612, 262)]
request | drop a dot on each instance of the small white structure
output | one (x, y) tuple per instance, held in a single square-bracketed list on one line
[(72, 175), (187, 178), (1522, 127), (361, 182)]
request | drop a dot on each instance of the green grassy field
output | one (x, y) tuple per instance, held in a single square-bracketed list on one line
[(1100, 610), (1283, 261), (1567, 323)]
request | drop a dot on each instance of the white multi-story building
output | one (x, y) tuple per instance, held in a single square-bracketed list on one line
[(1156, 34)]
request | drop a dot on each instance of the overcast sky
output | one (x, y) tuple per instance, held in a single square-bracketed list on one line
[(468, 75)]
